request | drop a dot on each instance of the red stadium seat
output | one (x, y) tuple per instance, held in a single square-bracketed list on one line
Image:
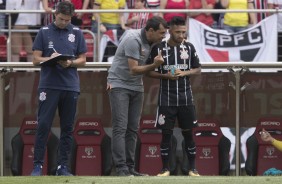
[(148, 156), (262, 156), (92, 150), (3, 48), (23, 150), (86, 21), (212, 149)]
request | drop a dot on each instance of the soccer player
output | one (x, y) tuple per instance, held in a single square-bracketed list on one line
[(175, 96)]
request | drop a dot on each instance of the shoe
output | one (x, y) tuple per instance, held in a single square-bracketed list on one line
[(63, 171), (164, 172), (124, 173), (193, 172), (37, 170), (135, 173)]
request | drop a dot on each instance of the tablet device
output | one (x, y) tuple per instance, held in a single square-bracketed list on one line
[(53, 61)]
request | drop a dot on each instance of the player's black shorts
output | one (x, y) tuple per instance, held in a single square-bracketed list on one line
[(186, 116)]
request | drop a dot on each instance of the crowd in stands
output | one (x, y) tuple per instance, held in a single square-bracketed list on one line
[(232, 22)]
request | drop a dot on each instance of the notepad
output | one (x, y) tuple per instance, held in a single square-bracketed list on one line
[(54, 61)]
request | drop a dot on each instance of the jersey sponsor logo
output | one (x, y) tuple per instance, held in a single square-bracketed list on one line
[(178, 66)]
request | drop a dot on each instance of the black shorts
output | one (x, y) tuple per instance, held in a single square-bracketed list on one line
[(186, 116)]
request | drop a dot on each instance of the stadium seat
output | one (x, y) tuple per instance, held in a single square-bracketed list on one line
[(86, 21), (92, 149), (261, 155), (148, 156), (3, 47), (212, 149), (23, 150), (90, 42)]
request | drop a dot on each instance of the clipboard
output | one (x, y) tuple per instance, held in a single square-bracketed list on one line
[(53, 61)]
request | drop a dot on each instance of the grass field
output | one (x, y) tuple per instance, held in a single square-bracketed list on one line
[(142, 180)]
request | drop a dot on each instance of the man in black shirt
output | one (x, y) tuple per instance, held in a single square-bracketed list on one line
[(175, 96)]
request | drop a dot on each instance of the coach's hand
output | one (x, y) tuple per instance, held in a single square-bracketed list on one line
[(158, 60)]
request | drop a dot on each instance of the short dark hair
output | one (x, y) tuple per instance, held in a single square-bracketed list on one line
[(155, 23), (177, 21), (66, 8)]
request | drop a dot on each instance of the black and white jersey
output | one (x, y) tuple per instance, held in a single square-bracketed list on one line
[(183, 57)]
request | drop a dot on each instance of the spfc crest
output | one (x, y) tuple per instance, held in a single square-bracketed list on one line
[(270, 151), (152, 149), (206, 151), (89, 150)]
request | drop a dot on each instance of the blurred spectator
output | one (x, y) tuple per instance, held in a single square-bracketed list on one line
[(277, 4), (260, 5), (50, 5), (205, 18), (173, 4), (130, 4), (138, 20), (79, 5), (2, 15), (235, 22), (23, 40), (108, 21), (218, 17), (153, 4)]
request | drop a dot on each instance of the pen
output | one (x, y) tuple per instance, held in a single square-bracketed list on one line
[(54, 50)]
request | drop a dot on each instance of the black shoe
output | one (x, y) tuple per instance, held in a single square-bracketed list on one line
[(123, 173), (135, 173)]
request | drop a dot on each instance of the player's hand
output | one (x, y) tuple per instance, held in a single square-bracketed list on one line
[(179, 73), (170, 76), (158, 60)]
